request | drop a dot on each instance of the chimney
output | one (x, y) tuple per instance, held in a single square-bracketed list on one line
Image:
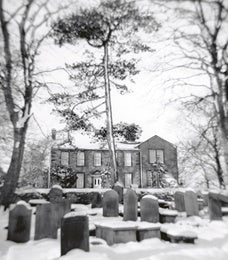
[(53, 134)]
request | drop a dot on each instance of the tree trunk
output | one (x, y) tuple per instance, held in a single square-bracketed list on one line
[(109, 120), (13, 173), (225, 151)]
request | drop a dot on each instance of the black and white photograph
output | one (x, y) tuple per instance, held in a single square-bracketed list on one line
[(113, 129)]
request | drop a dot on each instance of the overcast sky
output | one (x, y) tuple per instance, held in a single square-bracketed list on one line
[(148, 102)]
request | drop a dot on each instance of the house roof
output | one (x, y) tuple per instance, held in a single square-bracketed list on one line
[(98, 146), (83, 142), (157, 137)]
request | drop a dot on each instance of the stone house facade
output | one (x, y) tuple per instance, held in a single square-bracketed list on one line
[(134, 162)]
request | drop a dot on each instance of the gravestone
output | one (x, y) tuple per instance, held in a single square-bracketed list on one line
[(191, 203), (55, 194), (110, 204), (47, 220), (149, 209), (179, 201), (130, 206), (20, 223), (74, 232), (119, 189), (61, 208), (214, 207), (96, 200)]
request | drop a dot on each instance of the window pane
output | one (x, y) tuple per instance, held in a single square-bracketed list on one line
[(97, 159), (152, 156), (80, 159), (160, 156), (64, 158), (127, 159)]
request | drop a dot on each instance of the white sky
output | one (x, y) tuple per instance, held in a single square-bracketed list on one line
[(147, 104)]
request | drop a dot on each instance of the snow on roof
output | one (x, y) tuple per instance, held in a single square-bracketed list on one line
[(81, 141)]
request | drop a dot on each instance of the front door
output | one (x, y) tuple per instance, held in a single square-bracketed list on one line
[(97, 182), (128, 180), (80, 180)]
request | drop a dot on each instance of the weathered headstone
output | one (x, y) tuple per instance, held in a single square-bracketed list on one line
[(119, 189), (214, 207), (55, 194), (179, 201), (74, 232), (130, 206), (191, 203), (47, 220), (110, 204), (149, 209), (96, 200), (19, 223)]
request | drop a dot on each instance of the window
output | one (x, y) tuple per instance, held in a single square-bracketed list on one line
[(128, 180), (97, 159), (156, 156), (80, 158), (64, 158), (160, 156), (127, 159)]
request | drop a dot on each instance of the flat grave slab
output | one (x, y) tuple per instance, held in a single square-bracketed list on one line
[(147, 230), (116, 232), (167, 215), (175, 234)]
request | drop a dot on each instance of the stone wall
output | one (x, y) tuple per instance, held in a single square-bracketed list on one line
[(170, 156)]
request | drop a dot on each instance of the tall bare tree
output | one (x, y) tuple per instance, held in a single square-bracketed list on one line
[(23, 30), (202, 56)]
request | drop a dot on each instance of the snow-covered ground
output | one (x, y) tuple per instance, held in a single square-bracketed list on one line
[(212, 243)]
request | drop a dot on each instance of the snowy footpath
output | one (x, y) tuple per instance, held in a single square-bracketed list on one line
[(212, 244)]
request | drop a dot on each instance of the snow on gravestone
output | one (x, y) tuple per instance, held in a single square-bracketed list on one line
[(130, 206), (96, 200), (149, 209), (110, 204), (74, 232), (179, 201), (191, 203), (46, 225), (214, 207), (19, 222), (119, 189), (55, 194)]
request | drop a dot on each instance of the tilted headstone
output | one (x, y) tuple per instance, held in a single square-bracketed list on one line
[(214, 207), (47, 219), (130, 206), (119, 189), (179, 201), (20, 223), (74, 232), (149, 209), (55, 194), (96, 200), (110, 204), (191, 203)]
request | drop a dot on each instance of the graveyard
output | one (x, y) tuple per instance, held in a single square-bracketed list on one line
[(117, 224)]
